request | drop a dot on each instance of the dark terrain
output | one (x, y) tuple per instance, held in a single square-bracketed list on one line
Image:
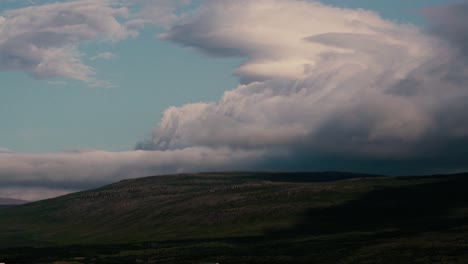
[(246, 218)]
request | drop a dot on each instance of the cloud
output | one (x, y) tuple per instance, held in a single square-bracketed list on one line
[(272, 34), (78, 170), (335, 88), (5, 150), (42, 40), (105, 56), (449, 22), (159, 12), (33, 193)]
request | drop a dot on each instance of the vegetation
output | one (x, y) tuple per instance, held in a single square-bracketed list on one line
[(246, 218)]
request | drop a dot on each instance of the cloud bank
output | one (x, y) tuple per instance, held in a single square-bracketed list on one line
[(79, 170), (322, 88), (5, 150)]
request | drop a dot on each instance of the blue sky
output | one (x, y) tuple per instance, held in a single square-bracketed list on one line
[(398, 10), (148, 76)]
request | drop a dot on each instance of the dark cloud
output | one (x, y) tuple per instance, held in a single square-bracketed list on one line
[(450, 22)]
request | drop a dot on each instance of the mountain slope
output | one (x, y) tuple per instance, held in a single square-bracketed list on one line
[(249, 217)]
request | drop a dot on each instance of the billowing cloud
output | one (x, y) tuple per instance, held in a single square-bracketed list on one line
[(335, 88), (42, 40)]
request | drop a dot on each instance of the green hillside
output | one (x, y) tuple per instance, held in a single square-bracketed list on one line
[(246, 218)]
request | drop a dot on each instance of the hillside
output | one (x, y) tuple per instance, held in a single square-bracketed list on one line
[(247, 217)]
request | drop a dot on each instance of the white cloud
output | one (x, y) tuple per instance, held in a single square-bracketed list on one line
[(86, 169), (272, 35), (5, 150), (321, 81), (105, 56), (159, 12), (305, 62), (42, 40), (33, 193)]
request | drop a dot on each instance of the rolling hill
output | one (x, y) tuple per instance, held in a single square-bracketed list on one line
[(246, 218)]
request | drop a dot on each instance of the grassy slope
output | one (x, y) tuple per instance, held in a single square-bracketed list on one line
[(248, 217)]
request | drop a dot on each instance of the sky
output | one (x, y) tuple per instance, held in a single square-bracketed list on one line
[(97, 91)]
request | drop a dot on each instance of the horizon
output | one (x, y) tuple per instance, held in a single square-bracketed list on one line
[(94, 92), (357, 174)]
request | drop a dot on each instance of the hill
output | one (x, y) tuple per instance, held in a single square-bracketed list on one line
[(246, 218)]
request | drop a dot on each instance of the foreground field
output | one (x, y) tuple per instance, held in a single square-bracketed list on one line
[(246, 218)]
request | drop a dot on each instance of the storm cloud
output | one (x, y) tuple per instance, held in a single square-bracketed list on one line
[(335, 88), (449, 23)]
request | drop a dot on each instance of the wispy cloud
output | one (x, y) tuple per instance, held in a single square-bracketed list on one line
[(105, 56), (164, 13)]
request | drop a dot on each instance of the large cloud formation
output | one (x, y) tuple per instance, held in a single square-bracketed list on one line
[(329, 87), (322, 88)]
